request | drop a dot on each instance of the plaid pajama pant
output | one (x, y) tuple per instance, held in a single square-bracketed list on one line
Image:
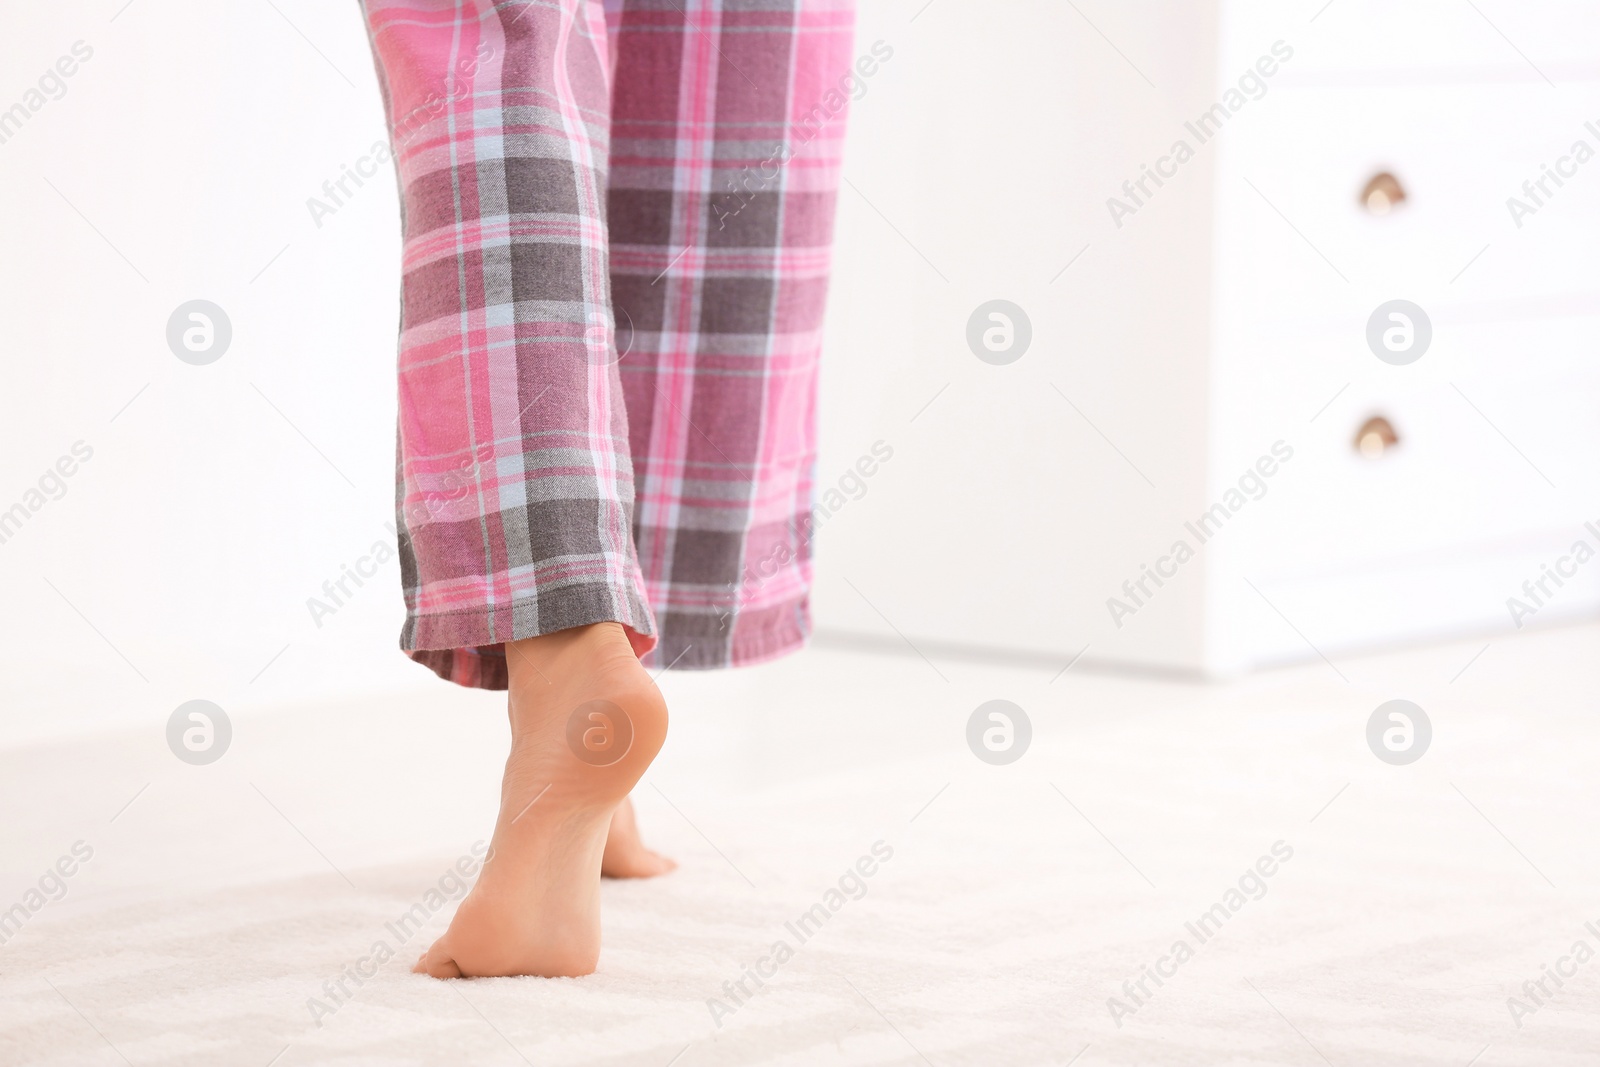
[(617, 217)]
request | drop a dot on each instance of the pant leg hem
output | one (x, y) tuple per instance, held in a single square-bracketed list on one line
[(758, 637), (468, 647)]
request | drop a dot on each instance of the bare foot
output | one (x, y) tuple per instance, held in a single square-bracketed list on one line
[(626, 856), (586, 720)]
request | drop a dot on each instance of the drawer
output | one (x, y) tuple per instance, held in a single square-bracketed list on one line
[(1346, 41), (1498, 428), (1295, 238)]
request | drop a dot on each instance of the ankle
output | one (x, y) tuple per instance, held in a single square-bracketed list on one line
[(535, 662)]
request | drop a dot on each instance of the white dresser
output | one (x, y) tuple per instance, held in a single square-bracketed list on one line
[(1215, 305)]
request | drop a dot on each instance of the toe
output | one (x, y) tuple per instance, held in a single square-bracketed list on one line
[(637, 863), (436, 964)]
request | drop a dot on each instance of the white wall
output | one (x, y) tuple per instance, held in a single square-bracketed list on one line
[(1004, 520), (187, 146)]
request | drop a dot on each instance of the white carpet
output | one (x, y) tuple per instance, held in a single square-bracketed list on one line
[(1017, 900)]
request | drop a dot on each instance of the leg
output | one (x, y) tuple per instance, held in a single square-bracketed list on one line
[(727, 126), (516, 490)]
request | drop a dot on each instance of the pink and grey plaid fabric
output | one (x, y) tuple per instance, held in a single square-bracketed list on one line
[(617, 219)]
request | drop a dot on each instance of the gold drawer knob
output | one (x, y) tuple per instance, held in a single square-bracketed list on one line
[(1376, 437), (1382, 194)]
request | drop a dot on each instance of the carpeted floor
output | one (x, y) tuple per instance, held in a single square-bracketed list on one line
[(222, 906)]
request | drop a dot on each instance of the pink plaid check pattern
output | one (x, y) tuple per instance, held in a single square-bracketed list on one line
[(617, 220)]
